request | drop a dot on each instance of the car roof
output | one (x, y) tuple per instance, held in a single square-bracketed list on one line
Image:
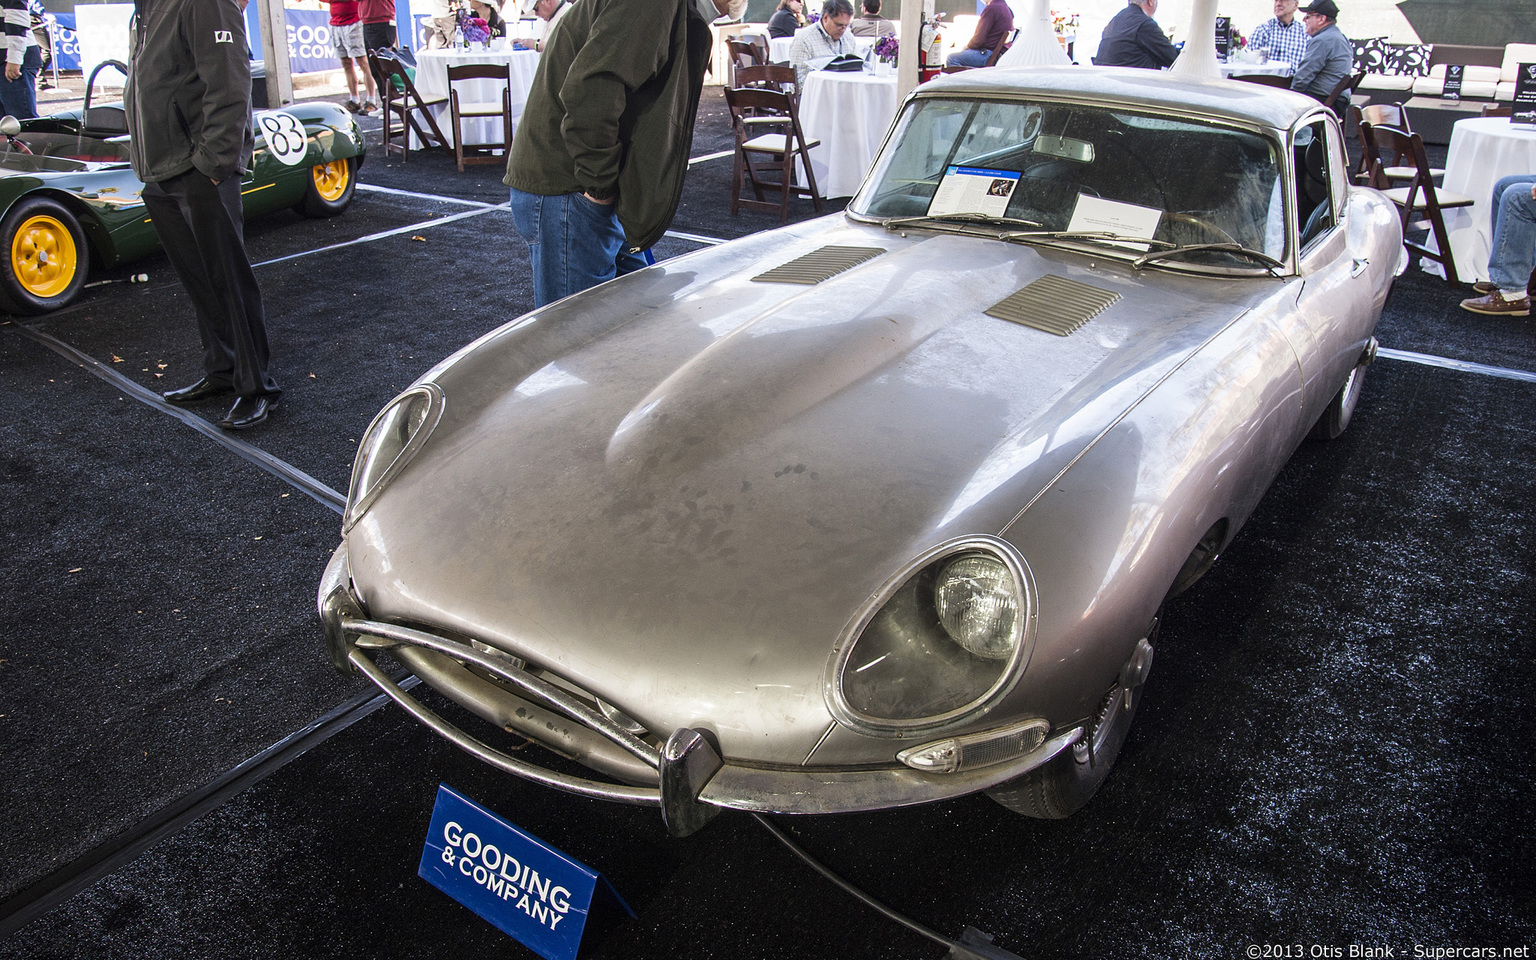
[(1161, 92)]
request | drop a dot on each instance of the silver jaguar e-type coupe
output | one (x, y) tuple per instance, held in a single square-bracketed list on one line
[(881, 508)]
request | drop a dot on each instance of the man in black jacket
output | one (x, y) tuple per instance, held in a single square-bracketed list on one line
[(1133, 39), (188, 100)]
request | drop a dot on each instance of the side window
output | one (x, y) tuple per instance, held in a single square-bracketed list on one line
[(1317, 187)]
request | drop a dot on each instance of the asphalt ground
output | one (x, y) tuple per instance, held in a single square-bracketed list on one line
[(1333, 749)]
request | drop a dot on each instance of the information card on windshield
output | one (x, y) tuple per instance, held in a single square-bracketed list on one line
[(1096, 215), (973, 190)]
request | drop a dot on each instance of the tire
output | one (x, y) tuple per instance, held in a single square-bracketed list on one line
[(45, 258), (1336, 417), (1069, 780), (1064, 784), (330, 188)]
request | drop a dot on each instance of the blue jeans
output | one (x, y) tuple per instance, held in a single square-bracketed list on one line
[(18, 98), (573, 243), (1514, 232), (969, 58)]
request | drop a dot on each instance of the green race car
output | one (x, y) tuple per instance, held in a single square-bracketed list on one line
[(68, 195)]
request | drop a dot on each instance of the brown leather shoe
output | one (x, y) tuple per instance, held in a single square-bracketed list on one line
[(1484, 287), (1495, 305)]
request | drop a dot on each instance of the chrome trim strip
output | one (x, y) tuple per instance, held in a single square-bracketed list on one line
[(642, 796), (849, 791)]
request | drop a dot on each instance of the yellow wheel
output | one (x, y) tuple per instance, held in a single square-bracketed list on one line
[(45, 263), (331, 179), (330, 188)]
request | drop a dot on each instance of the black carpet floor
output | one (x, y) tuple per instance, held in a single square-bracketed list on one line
[(1333, 749)]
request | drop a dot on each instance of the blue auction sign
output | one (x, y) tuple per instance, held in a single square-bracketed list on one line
[(522, 886)]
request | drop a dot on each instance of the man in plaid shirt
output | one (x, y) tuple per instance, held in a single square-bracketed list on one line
[(827, 37), (1282, 35)]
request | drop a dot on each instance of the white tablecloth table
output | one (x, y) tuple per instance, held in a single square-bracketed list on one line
[(778, 47), (432, 81), (1273, 68), (1482, 150), (849, 114)]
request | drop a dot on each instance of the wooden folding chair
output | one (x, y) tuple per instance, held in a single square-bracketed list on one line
[(402, 101), (458, 111), (767, 125), (1003, 43), (1420, 195), (771, 76), (1397, 169), (1346, 82)]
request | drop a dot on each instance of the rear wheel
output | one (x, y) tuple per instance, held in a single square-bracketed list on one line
[(330, 188), (45, 259)]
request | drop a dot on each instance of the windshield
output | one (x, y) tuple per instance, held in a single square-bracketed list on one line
[(1104, 173)]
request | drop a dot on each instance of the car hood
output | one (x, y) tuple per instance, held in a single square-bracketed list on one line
[(676, 489)]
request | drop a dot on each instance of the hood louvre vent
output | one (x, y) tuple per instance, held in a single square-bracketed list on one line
[(1054, 304), (819, 265)]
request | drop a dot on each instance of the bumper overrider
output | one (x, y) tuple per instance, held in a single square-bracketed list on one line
[(684, 774)]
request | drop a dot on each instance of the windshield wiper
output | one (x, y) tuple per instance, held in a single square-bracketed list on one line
[(1237, 248), (1095, 235), (892, 222)]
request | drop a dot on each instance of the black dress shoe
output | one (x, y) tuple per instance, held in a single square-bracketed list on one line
[(248, 411), (201, 390)]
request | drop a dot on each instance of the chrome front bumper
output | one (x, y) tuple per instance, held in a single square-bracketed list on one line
[(685, 776)]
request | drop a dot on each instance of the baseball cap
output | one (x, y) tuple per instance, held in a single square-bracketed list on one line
[(1327, 8)]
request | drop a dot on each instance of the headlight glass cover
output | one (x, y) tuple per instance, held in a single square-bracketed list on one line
[(941, 642), (393, 438)]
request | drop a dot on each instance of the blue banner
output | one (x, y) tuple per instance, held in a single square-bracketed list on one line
[(309, 36), (66, 47), (522, 886), (310, 47)]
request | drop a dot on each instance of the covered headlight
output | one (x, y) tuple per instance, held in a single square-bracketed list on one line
[(941, 642), (392, 440)]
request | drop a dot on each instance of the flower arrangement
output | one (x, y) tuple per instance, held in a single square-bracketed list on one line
[(474, 29), (886, 47), (812, 18)]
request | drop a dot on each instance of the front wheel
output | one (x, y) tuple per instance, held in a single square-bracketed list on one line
[(1336, 417), (45, 259), (330, 188), (1063, 785)]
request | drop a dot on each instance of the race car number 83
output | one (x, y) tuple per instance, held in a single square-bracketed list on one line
[(284, 135)]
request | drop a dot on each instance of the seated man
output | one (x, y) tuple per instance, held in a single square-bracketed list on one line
[(827, 37), (1329, 57), (871, 24), (1510, 263), (1283, 36), (1133, 39), (995, 24)]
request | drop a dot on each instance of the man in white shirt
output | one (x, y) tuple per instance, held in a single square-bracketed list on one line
[(827, 37)]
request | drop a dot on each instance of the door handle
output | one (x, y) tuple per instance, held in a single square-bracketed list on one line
[(1359, 266)]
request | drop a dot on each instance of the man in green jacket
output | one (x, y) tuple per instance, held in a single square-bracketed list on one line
[(597, 165)]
